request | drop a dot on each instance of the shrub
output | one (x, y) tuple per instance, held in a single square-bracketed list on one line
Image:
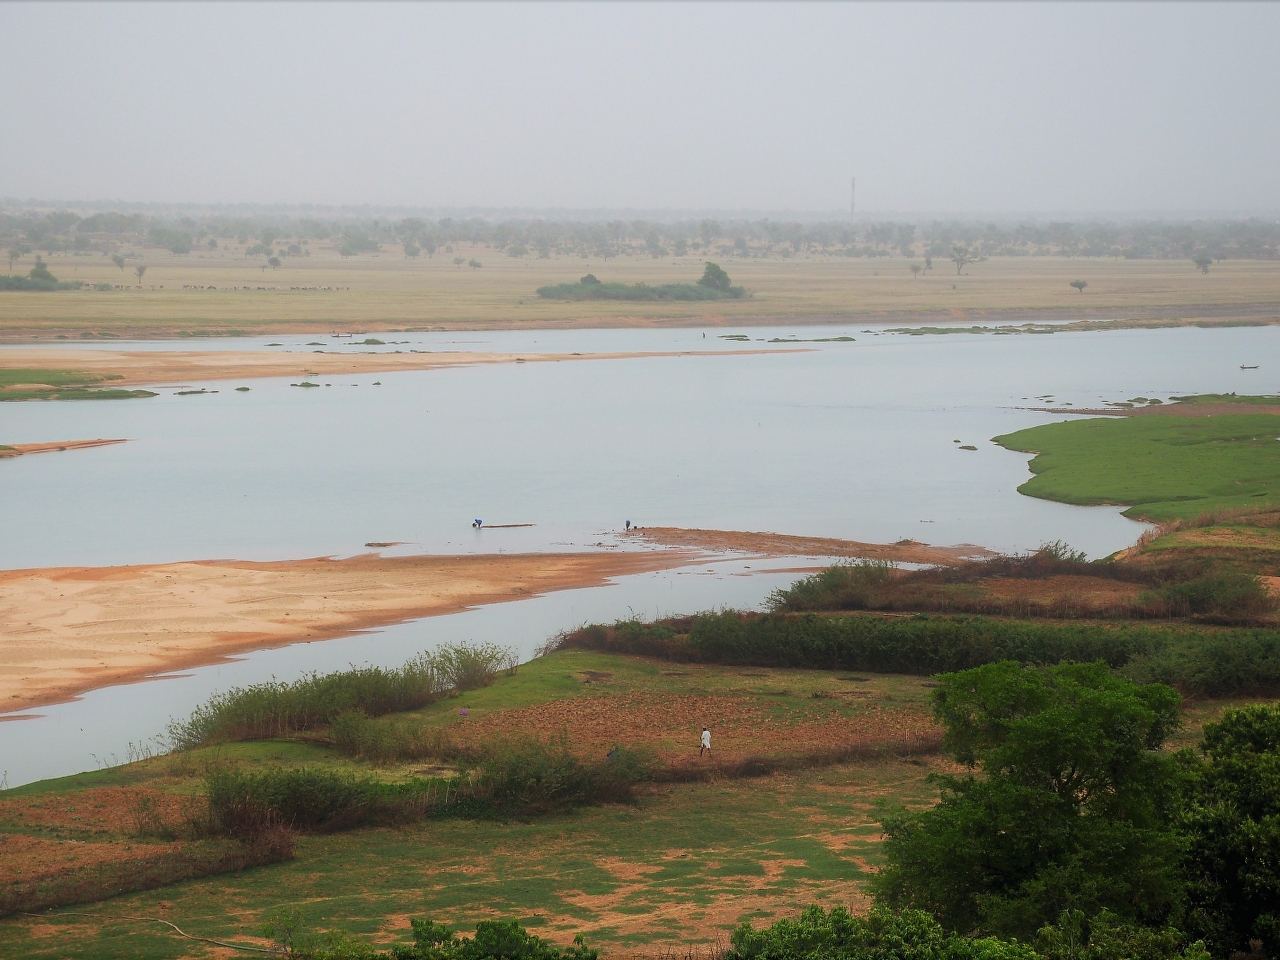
[(246, 805), (354, 734), (280, 709)]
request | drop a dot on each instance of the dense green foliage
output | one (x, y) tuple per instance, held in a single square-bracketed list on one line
[(880, 935), (1217, 662), (1233, 830), (45, 281), (278, 709), (1165, 467), (1073, 809), (714, 285)]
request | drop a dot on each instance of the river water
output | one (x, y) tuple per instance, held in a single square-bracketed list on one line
[(849, 439)]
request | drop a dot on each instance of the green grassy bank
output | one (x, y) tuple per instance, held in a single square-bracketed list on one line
[(1163, 467)]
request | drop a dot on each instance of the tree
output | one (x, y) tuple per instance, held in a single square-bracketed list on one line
[(1233, 830), (16, 252), (1080, 284), (915, 271), (118, 261), (273, 263), (474, 264), (140, 269), (41, 272), (961, 257), (411, 249), (1074, 810), (715, 278), (928, 263), (1203, 261)]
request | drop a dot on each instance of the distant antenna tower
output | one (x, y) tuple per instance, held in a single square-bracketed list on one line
[(853, 194)]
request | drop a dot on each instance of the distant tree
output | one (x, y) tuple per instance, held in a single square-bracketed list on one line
[(715, 278), (1080, 284), (474, 264), (16, 252), (961, 257), (411, 249), (140, 269), (274, 263), (708, 230), (1203, 261), (915, 271), (429, 245), (928, 263), (213, 244), (41, 272), (459, 261), (118, 261)]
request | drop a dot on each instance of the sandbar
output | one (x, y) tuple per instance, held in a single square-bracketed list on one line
[(68, 630), (146, 367), (20, 449), (786, 545)]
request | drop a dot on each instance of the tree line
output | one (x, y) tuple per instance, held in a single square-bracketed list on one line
[(62, 230)]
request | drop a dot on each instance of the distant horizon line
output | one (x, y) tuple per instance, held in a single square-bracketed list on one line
[(340, 210)]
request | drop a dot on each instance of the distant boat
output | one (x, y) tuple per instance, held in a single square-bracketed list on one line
[(1243, 367)]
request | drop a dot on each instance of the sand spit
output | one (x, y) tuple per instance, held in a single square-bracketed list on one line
[(68, 630), (139, 367), (783, 545), (19, 449)]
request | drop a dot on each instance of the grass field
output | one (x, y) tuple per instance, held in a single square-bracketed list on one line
[(390, 292), (60, 385), (1164, 467), (683, 866)]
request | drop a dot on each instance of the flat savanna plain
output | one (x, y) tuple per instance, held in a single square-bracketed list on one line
[(390, 292)]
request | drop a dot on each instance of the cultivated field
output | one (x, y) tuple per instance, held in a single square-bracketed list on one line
[(327, 293)]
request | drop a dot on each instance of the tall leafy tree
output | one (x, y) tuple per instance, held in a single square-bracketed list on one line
[(1233, 830), (1069, 804)]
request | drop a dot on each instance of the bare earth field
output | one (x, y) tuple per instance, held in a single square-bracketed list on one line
[(137, 367), (72, 629), (228, 294)]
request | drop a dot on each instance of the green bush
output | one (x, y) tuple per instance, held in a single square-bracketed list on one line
[(278, 709), (529, 775), (241, 804), (1208, 662), (355, 734), (880, 935)]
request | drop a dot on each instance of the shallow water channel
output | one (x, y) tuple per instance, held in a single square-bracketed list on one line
[(845, 439)]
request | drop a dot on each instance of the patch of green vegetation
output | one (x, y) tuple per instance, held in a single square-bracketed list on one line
[(1165, 468), (20, 384), (714, 285), (304, 383), (1229, 398), (812, 835)]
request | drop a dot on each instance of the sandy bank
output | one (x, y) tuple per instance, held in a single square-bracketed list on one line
[(139, 367), (783, 545), (64, 631), (18, 449)]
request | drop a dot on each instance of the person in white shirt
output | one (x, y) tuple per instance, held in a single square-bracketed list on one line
[(705, 744)]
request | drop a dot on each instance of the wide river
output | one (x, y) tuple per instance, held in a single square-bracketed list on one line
[(846, 439)]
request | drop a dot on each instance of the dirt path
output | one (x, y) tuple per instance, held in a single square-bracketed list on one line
[(146, 367), (784, 545), (64, 631)]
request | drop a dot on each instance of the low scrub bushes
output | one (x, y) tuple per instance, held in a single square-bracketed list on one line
[(1184, 588), (1207, 662), (267, 710), (355, 734), (520, 777), (494, 940)]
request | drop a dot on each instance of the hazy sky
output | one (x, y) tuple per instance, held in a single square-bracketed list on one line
[(943, 107)]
